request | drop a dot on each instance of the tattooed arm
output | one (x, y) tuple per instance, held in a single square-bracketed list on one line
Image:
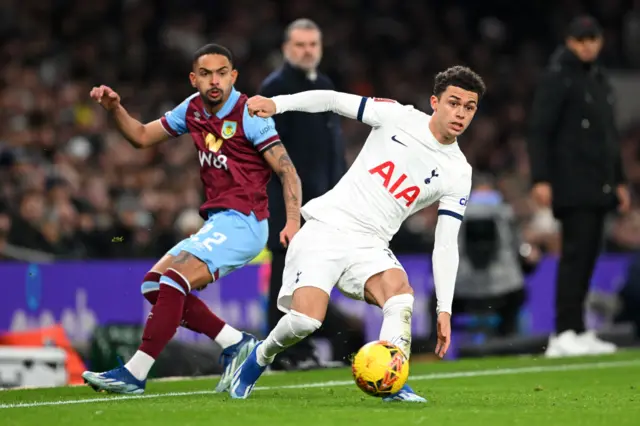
[(281, 163)]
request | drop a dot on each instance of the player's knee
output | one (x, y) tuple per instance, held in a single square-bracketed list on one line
[(194, 271), (175, 279), (399, 288), (398, 296), (395, 290), (302, 325), (385, 285), (311, 302)]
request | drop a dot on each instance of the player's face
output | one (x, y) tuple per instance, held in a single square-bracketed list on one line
[(454, 111), (213, 77), (303, 49), (586, 49)]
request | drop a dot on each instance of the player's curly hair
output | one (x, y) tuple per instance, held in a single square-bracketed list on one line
[(213, 49), (459, 76)]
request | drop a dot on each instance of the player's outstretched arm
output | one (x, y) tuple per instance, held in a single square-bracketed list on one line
[(372, 111), (445, 262), (139, 135), (445, 257), (281, 163)]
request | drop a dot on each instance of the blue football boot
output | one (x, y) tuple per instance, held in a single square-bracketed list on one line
[(232, 357), (118, 380), (247, 375), (406, 394)]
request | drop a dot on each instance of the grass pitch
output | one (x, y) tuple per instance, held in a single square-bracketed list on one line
[(490, 391)]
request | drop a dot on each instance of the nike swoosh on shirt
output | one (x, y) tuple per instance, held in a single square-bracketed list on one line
[(393, 138)]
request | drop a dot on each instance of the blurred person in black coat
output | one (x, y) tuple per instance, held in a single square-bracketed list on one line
[(315, 145), (576, 169)]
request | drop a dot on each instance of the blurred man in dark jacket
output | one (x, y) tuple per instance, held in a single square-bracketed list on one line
[(315, 145), (577, 170)]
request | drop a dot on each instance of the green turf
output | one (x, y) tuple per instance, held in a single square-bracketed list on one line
[(495, 392)]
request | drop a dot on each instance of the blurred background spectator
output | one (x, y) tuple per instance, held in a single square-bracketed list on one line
[(316, 147), (576, 170), (73, 188)]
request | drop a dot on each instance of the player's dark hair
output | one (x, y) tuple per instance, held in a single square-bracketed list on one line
[(461, 77), (213, 49)]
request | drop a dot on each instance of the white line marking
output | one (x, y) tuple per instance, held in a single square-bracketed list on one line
[(434, 376)]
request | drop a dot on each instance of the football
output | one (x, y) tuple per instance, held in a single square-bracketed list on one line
[(380, 368)]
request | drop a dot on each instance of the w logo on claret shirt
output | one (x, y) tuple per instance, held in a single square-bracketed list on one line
[(434, 174), (213, 157)]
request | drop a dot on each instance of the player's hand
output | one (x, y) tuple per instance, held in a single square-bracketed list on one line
[(105, 96), (261, 106), (444, 334), (624, 199), (541, 193), (291, 228)]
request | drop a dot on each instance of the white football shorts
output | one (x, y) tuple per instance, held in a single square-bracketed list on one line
[(323, 256)]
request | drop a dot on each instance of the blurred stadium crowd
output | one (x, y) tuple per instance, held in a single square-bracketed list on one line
[(72, 187)]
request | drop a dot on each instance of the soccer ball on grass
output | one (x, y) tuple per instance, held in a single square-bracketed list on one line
[(380, 368)]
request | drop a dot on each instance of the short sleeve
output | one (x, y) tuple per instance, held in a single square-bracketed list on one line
[(261, 132), (174, 122), (377, 111), (454, 202)]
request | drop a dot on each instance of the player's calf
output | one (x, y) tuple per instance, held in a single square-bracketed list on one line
[(384, 285), (292, 328), (162, 323), (196, 315), (391, 291), (396, 324), (308, 309)]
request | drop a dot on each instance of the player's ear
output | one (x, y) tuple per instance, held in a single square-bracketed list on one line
[(192, 78), (434, 102), (234, 76)]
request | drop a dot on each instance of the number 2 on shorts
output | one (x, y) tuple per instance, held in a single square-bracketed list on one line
[(215, 238)]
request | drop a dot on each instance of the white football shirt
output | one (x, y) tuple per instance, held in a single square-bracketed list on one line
[(400, 170)]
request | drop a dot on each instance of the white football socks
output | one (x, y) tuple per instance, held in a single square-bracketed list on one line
[(396, 325), (291, 328), (139, 365), (228, 336)]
